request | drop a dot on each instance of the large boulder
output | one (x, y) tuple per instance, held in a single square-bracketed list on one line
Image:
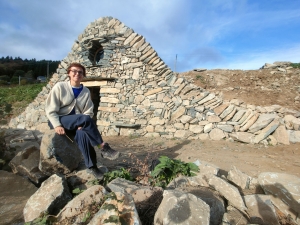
[(77, 209), (181, 208), (58, 154), (26, 164), (193, 185), (146, 198), (14, 193), (51, 197), (118, 208)]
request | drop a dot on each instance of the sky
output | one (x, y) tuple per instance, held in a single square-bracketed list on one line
[(186, 34)]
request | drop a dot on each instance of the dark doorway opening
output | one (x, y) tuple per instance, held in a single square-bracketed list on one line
[(95, 95)]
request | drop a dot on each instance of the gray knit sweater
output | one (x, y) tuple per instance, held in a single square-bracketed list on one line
[(61, 101)]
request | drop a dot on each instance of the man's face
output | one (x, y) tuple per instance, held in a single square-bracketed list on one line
[(76, 74)]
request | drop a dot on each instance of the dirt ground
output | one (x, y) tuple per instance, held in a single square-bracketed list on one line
[(248, 158), (255, 87)]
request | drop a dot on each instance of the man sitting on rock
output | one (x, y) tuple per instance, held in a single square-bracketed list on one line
[(69, 108)]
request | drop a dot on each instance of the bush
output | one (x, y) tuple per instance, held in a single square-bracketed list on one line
[(168, 169), (23, 81)]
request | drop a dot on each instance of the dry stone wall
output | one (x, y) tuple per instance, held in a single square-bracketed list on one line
[(141, 95)]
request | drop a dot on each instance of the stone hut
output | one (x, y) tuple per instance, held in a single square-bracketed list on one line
[(136, 93)]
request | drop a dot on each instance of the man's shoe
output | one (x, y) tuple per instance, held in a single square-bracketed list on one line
[(96, 172), (109, 153)]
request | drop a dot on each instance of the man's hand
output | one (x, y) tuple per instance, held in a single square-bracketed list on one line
[(60, 130)]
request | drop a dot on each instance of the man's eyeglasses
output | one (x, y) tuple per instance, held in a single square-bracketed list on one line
[(76, 71)]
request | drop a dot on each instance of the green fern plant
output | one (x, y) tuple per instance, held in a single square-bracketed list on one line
[(168, 169), (122, 173)]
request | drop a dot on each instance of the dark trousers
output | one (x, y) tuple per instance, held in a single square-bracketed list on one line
[(86, 138)]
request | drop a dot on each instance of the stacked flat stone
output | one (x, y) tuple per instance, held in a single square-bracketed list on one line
[(138, 88)]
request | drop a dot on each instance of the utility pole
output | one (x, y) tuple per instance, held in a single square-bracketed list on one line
[(47, 70), (175, 63)]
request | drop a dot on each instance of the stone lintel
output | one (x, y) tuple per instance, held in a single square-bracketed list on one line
[(109, 109), (94, 83)]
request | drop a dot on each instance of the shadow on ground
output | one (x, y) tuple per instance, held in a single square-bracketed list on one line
[(131, 153)]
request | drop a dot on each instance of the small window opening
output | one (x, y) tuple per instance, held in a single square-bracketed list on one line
[(99, 55), (96, 52)]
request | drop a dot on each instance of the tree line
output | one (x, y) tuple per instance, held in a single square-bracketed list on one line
[(28, 69)]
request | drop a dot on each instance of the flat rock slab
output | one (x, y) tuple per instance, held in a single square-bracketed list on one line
[(261, 209), (229, 192), (239, 178), (26, 163), (262, 122), (242, 137), (284, 187), (14, 193)]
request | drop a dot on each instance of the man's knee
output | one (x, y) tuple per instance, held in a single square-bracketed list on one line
[(86, 118)]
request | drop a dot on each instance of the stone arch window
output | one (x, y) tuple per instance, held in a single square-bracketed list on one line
[(96, 52), (99, 55)]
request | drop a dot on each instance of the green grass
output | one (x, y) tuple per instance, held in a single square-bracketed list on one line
[(201, 78), (23, 93), (14, 99), (295, 65)]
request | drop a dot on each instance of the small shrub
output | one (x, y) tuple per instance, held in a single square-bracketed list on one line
[(23, 82), (122, 173), (43, 219), (77, 191), (86, 217), (168, 169), (141, 167), (201, 78), (295, 65)]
